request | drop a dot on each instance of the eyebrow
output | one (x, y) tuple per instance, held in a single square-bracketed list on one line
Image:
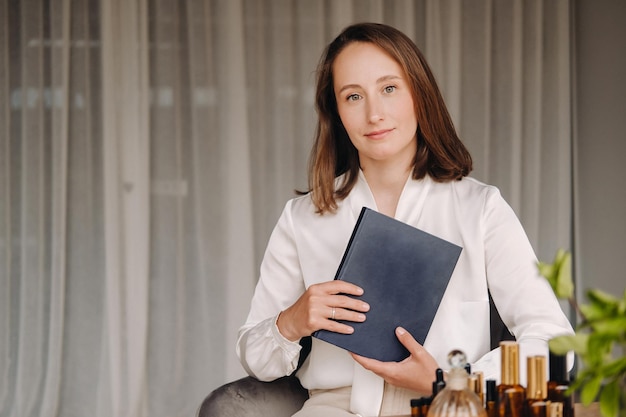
[(378, 81)]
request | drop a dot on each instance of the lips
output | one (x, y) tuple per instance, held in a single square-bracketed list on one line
[(378, 134)]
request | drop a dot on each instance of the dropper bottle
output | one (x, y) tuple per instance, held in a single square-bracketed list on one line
[(511, 395), (456, 399)]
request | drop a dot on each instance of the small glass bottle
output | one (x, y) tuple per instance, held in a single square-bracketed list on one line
[(427, 401), (511, 395), (558, 383), (438, 384), (492, 395), (475, 383), (416, 407), (537, 403), (456, 399)]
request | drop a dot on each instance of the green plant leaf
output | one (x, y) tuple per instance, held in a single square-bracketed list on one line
[(602, 305), (621, 306), (546, 270), (614, 368), (600, 342), (609, 399), (563, 344), (598, 336), (613, 327), (564, 282), (579, 382), (559, 274), (602, 297), (596, 311), (590, 390)]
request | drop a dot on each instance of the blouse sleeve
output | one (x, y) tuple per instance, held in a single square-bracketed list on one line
[(522, 296), (262, 350)]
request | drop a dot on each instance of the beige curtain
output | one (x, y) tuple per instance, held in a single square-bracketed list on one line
[(147, 148)]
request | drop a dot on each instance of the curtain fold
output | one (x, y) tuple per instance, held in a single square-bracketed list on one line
[(147, 148), (126, 171), (514, 111), (60, 76), (237, 175)]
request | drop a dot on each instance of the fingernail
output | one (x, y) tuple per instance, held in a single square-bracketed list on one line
[(400, 331)]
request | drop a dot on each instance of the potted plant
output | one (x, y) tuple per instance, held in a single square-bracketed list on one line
[(599, 341)]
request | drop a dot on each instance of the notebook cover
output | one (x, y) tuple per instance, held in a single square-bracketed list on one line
[(404, 273)]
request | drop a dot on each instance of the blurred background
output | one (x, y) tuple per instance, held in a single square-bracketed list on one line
[(147, 147)]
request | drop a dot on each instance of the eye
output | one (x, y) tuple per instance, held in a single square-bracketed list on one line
[(390, 89), (353, 97)]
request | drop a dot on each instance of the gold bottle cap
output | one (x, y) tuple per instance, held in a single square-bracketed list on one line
[(555, 409), (537, 383), (509, 351)]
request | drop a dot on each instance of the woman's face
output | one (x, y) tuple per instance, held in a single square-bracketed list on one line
[(375, 105)]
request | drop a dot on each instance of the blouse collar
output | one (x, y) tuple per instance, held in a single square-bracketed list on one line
[(411, 201)]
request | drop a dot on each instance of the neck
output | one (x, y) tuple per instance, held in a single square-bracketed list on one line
[(386, 184)]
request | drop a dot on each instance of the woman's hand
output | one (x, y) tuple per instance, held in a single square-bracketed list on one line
[(417, 372), (319, 307)]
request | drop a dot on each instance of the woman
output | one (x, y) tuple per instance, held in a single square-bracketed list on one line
[(385, 140)]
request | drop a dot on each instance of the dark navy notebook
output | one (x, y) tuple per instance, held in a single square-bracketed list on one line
[(404, 273)]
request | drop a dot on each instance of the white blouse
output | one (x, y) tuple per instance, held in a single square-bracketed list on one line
[(306, 248)]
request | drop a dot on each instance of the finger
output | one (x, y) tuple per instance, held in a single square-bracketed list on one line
[(370, 364), (338, 313), (349, 303), (337, 327), (365, 361), (407, 340), (329, 321), (338, 286)]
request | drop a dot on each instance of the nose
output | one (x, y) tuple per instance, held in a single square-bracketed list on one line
[(375, 110)]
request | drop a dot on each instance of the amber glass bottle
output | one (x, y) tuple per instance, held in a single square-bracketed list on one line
[(475, 383), (511, 395), (426, 405), (416, 407), (537, 389), (558, 383)]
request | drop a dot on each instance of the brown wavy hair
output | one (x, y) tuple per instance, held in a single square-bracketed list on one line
[(440, 153)]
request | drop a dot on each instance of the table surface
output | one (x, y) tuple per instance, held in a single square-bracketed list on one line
[(593, 410)]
